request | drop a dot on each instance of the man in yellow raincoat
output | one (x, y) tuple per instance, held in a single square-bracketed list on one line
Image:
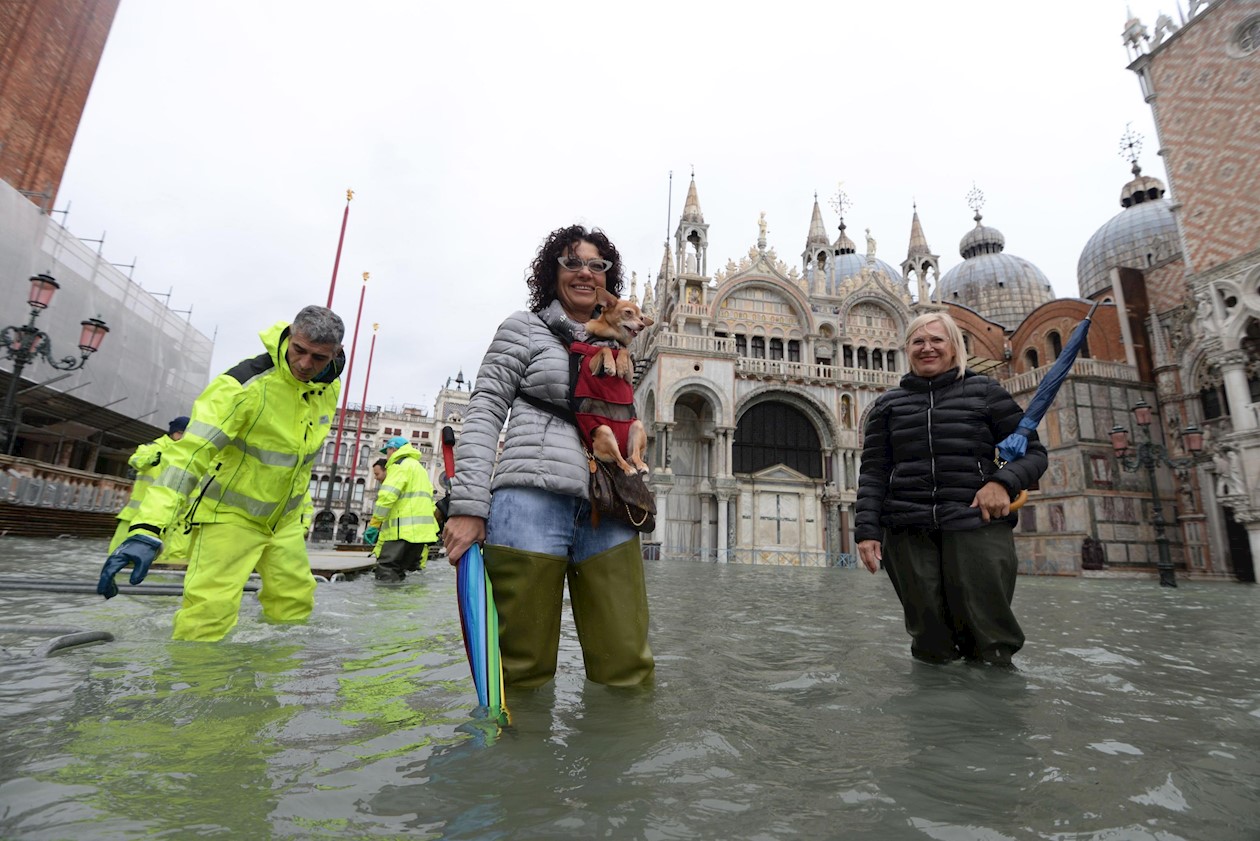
[(240, 478), (403, 524), (147, 462)]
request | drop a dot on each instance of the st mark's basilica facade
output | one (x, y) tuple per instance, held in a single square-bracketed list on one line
[(756, 378)]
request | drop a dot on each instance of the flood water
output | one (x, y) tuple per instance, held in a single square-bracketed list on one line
[(786, 706)]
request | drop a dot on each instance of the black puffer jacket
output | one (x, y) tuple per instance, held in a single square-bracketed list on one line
[(930, 445)]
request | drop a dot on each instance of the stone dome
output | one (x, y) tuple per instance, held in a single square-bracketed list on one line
[(1000, 286), (1141, 236), (845, 262)]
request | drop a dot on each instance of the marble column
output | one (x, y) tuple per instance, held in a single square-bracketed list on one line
[(1234, 371), (723, 508)]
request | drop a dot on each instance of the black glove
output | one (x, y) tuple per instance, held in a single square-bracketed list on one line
[(139, 549)]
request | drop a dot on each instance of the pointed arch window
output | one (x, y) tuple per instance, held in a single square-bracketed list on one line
[(776, 433)]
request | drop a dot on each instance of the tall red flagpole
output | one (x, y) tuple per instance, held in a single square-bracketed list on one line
[(345, 395), (358, 432), (341, 239)]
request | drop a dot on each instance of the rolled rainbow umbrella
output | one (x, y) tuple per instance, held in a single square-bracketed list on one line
[(480, 623)]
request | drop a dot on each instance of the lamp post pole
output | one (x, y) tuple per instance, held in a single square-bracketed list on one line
[(1148, 456), (24, 343)]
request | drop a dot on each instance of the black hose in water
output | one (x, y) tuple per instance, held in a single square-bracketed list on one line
[(16, 583)]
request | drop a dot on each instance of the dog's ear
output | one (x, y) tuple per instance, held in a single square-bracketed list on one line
[(604, 297), (647, 321)]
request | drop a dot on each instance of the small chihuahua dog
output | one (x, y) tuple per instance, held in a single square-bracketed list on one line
[(617, 325)]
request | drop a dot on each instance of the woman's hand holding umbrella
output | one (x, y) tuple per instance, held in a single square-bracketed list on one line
[(459, 534)]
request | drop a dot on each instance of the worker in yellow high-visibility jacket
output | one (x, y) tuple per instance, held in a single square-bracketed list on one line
[(403, 524), (240, 478), (147, 462)]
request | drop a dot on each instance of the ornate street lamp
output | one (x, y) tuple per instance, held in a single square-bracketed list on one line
[(1149, 455), (24, 343)]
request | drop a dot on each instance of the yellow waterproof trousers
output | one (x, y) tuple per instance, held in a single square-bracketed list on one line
[(221, 557)]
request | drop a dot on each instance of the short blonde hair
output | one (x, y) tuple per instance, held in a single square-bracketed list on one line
[(952, 332)]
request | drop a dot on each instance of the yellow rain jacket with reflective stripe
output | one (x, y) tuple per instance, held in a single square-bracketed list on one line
[(247, 454), (404, 503), (147, 462)]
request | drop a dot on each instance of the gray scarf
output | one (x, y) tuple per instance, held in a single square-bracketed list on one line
[(568, 330)]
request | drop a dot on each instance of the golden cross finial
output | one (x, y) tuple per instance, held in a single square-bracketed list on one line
[(349, 195), (376, 326), (365, 276)]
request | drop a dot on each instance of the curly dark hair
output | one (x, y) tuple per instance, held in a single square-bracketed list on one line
[(545, 269)]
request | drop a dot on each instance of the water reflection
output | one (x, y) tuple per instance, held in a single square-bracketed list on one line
[(786, 706)]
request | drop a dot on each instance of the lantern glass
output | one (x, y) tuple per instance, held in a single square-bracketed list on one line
[(1119, 440), (1142, 413), (1193, 436), (42, 289), (93, 334)]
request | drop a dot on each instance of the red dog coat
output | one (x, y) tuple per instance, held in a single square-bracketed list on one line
[(602, 400)]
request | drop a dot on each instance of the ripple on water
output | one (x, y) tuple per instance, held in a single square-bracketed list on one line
[(785, 706)]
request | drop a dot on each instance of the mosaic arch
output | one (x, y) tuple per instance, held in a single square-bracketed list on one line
[(819, 418), (759, 306)]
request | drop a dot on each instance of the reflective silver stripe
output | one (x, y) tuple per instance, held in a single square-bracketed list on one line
[(217, 437), (143, 478), (132, 504), (412, 521), (309, 458), (271, 458), (248, 504), (380, 512), (177, 479), (387, 488), (294, 502), (417, 495)]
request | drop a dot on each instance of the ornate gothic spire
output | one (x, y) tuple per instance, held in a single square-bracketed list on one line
[(918, 242), (691, 210)]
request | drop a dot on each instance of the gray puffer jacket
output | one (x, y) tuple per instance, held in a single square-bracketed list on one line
[(540, 450)]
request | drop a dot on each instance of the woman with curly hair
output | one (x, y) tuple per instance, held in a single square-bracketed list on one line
[(530, 510)]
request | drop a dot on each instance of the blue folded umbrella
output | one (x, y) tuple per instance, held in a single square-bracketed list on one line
[(1016, 444)]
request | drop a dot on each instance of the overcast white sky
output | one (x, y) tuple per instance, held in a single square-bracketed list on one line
[(219, 140)]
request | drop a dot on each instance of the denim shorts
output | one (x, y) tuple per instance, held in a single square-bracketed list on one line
[(541, 521)]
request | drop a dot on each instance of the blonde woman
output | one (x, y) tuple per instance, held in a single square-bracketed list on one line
[(933, 506)]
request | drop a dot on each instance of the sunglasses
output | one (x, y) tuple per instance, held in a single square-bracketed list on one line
[(597, 265)]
